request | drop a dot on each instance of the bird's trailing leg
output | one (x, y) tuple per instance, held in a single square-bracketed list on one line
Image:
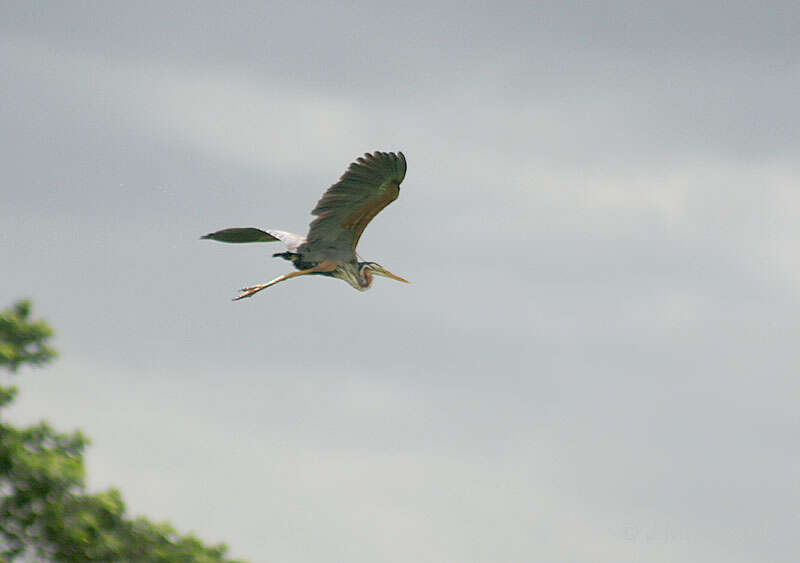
[(252, 290)]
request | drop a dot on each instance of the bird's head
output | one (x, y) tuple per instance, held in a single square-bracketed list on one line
[(368, 268)]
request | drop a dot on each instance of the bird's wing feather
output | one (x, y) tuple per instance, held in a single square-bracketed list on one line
[(251, 234), (291, 240), (369, 184), (241, 234)]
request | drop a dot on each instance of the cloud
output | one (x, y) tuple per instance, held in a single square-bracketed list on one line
[(596, 359)]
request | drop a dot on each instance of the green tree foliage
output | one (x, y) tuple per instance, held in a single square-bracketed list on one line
[(46, 514)]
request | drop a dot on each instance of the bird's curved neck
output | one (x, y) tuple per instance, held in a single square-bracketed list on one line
[(364, 275), (357, 275)]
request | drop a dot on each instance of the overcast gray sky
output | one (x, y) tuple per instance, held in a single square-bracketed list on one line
[(597, 359)]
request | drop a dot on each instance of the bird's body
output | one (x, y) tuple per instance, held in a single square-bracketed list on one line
[(369, 184), (357, 274)]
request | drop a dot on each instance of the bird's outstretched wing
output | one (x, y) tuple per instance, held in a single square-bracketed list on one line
[(241, 234), (369, 184), (251, 234)]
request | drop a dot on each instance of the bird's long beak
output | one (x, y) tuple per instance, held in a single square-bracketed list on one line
[(381, 271)]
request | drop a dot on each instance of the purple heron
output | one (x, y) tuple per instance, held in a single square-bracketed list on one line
[(329, 249)]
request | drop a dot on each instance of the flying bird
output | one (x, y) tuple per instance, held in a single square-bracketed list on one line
[(344, 211)]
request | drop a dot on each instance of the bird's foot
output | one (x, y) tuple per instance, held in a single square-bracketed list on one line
[(248, 291)]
